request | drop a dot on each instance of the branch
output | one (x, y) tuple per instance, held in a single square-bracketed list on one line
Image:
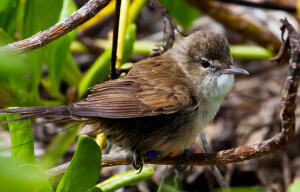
[(264, 5), (238, 154), (88, 11), (244, 24)]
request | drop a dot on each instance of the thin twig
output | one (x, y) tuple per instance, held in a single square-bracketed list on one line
[(286, 170), (113, 60), (169, 25), (284, 47), (88, 11), (281, 52), (238, 154)]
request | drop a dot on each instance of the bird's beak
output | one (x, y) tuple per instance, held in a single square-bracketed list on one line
[(234, 70)]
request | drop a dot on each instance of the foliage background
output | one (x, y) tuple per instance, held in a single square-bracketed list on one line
[(62, 72)]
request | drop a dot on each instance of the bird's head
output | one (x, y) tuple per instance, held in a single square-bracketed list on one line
[(204, 57)]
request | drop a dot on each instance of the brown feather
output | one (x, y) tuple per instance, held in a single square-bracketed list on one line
[(138, 96)]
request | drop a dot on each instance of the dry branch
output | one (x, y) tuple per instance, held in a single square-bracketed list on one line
[(88, 11)]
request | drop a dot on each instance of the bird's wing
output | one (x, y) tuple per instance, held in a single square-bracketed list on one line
[(132, 97)]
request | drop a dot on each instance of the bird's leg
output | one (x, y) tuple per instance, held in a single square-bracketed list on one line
[(178, 159), (135, 156)]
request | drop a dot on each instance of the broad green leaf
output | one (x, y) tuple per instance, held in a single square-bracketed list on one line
[(21, 140), (36, 181), (27, 178), (124, 179), (84, 169), (58, 51), (295, 186), (183, 13), (58, 146)]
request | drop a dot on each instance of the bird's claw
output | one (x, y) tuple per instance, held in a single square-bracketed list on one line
[(140, 166)]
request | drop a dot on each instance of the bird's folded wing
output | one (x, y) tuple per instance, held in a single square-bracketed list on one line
[(132, 97)]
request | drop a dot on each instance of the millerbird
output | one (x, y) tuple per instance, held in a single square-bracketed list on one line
[(162, 103)]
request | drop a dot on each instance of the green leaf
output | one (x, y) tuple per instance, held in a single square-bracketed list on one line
[(4, 4), (36, 181), (58, 51), (135, 9), (35, 63), (250, 52), (27, 178), (129, 42), (59, 146), (71, 73), (84, 169), (13, 83), (98, 73), (10, 66), (182, 13), (38, 17), (8, 16), (21, 140), (124, 179), (295, 186)]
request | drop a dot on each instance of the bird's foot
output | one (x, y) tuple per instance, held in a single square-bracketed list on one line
[(179, 157), (157, 50), (135, 158)]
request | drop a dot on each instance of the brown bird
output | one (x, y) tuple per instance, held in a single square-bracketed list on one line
[(162, 103)]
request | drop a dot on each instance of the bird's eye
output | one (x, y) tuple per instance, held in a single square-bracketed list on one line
[(205, 63)]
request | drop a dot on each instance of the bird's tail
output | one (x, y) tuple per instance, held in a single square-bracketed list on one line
[(56, 113)]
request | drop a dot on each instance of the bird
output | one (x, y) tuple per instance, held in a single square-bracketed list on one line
[(162, 103)]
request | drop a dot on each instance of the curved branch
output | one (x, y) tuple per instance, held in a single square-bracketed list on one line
[(88, 11)]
